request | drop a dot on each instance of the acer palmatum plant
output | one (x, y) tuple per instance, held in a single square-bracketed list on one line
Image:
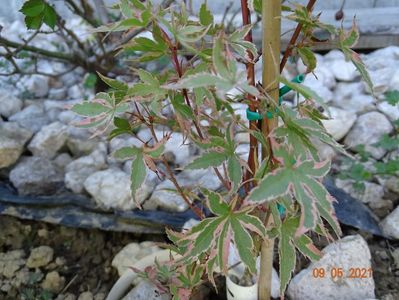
[(277, 193)]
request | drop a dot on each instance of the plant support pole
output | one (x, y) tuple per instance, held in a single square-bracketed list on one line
[(271, 25)]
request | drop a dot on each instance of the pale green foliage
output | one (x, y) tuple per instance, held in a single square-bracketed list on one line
[(198, 87)]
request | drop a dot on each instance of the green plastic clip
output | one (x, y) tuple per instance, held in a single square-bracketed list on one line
[(253, 115), (285, 89)]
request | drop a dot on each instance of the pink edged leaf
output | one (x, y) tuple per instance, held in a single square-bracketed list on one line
[(244, 244), (307, 248)]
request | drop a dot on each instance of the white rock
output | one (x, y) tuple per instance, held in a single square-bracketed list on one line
[(82, 146), (32, 117), (9, 104), (368, 129), (318, 87), (164, 199), (11, 262), (333, 55), (78, 170), (132, 253), (390, 225), (57, 94), (37, 85), (380, 79), (372, 195), (35, 176), (40, 257), (75, 92), (12, 141), (358, 103), (343, 70), (391, 111), (62, 160), (168, 200), (110, 189), (53, 282), (340, 123), (394, 83), (175, 151), (349, 252), (49, 140)]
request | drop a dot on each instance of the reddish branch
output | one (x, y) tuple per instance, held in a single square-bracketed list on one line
[(253, 143), (292, 42), (173, 48)]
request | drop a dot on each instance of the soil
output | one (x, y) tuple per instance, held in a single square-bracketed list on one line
[(86, 257)]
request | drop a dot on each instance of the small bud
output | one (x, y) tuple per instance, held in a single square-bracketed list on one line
[(339, 15)]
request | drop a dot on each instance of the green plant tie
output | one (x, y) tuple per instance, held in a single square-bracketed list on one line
[(255, 116), (285, 89)]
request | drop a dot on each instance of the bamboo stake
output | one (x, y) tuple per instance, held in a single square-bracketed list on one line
[(271, 18)]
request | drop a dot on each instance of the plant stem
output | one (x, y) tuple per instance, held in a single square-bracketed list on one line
[(271, 18), (291, 43), (253, 143)]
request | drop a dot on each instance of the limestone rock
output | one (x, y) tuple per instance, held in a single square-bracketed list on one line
[(37, 85), (9, 104), (368, 129), (340, 123), (177, 150), (390, 225), (349, 252), (110, 188), (40, 257), (49, 140), (78, 170), (168, 200), (53, 282), (343, 70), (391, 111), (11, 262), (12, 141), (132, 253), (86, 296), (32, 117), (35, 176)]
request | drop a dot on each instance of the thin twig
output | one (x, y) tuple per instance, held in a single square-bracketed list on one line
[(294, 38)]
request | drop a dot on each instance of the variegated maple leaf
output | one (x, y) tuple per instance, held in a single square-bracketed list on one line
[(214, 235), (299, 179)]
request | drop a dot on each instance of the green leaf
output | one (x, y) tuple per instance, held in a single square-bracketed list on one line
[(138, 175), (49, 16), (204, 239), (287, 255), (33, 22), (211, 159), (90, 109), (307, 248), (201, 80), (90, 80), (113, 83), (234, 171), (33, 8), (205, 16), (216, 203), (274, 185), (122, 123), (301, 180), (244, 244), (126, 152), (181, 107), (392, 97), (252, 223), (308, 58)]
